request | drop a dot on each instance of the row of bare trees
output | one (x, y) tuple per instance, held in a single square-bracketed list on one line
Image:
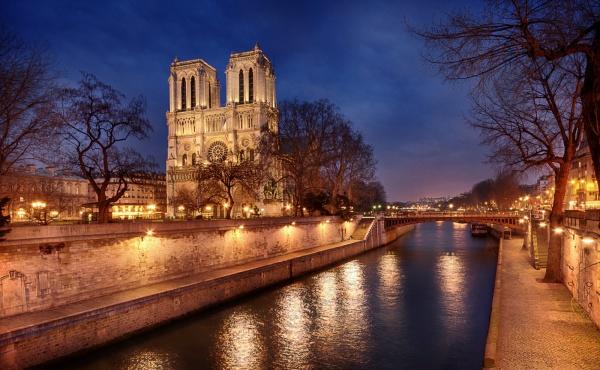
[(326, 164), (537, 68), (83, 130), (498, 193)]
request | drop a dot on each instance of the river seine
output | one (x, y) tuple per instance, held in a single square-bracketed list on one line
[(422, 302)]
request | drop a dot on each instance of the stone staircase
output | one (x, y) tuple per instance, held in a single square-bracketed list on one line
[(362, 229), (540, 249)]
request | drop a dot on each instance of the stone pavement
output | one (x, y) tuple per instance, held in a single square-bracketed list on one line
[(540, 326)]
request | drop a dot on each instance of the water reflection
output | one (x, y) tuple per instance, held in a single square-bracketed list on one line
[(150, 360), (239, 343), (292, 322), (451, 276), (388, 271)]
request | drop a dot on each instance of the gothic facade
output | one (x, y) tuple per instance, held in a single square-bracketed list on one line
[(202, 130)]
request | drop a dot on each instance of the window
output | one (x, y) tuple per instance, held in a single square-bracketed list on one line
[(193, 91), (250, 86), (251, 155), (241, 88), (183, 97), (209, 96), (184, 160), (193, 159), (241, 159)]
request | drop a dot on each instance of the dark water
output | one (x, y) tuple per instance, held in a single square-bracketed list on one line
[(421, 303)]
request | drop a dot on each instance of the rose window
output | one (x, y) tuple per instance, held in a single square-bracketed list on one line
[(217, 152)]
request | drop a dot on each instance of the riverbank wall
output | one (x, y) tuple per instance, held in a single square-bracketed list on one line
[(69, 288), (581, 260)]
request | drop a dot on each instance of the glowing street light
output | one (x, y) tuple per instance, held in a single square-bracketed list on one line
[(542, 224), (558, 230), (37, 205)]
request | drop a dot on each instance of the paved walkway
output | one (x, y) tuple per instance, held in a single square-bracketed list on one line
[(540, 326)]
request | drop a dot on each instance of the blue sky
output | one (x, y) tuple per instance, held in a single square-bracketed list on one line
[(357, 54)]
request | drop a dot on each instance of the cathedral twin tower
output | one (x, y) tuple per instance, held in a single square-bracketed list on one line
[(200, 130)]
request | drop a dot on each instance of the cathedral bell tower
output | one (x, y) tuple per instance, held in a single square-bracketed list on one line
[(250, 78)]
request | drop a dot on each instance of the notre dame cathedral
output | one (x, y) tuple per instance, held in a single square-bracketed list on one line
[(202, 130)]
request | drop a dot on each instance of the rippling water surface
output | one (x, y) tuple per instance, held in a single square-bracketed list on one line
[(422, 302)]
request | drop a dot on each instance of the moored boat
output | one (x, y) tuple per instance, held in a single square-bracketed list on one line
[(479, 229)]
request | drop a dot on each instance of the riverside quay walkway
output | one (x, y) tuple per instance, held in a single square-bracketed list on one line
[(536, 325)]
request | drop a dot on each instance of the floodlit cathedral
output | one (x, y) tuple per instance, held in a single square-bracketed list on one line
[(201, 130)]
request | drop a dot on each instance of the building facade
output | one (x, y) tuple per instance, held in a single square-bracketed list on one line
[(44, 191), (582, 191), (202, 130), (145, 198)]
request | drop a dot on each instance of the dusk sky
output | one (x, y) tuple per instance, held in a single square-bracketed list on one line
[(359, 55)]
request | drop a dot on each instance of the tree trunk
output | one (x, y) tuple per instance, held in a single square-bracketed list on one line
[(230, 208), (590, 102), (553, 269), (103, 211)]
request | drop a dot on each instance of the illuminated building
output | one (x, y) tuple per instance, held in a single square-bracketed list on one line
[(62, 195), (582, 189), (145, 198), (201, 130)]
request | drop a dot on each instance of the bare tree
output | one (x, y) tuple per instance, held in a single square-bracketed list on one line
[(225, 181), (525, 32), (27, 95), (535, 117), (303, 144), (350, 160), (97, 125)]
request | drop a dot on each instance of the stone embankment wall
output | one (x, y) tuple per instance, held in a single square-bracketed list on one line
[(160, 284), (49, 266), (581, 260)]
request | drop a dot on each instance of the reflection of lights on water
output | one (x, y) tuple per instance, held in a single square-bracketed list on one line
[(353, 309), (389, 276), (150, 360), (239, 343), (451, 275), (292, 324)]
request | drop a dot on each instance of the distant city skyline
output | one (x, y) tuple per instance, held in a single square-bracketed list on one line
[(359, 56)]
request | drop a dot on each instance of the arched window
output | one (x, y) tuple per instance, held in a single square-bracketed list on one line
[(250, 86), (251, 155), (193, 91), (241, 87), (183, 97), (209, 96), (241, 155), (184, 160), (193, 159)]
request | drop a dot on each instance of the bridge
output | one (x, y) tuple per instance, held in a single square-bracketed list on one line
[(507, 219)]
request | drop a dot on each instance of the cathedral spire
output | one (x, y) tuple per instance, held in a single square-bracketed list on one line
[(257, 46)]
